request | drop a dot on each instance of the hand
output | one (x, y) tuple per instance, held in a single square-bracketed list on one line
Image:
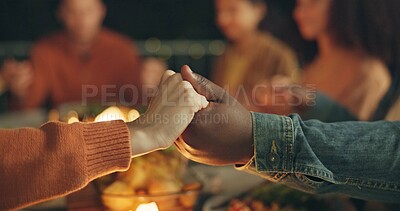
[(221, 134), (152, 71), (290, 96), (168, 115), (18, 76), (273, 96)]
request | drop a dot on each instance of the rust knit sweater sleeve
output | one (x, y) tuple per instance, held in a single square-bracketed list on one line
[(57, 159)]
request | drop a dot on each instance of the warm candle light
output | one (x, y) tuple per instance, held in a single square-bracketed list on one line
[(73, 117), (73, 120), (111, 113), (148, 207), (133, 115)]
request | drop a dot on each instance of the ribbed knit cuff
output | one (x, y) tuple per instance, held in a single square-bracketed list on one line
[(108, 148)]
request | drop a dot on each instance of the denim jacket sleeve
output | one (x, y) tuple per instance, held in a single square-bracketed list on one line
[(358, 159)]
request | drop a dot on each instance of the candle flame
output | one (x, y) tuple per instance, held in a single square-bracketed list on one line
[(73, 120), (73, 117), (111, 113), (148, 207)]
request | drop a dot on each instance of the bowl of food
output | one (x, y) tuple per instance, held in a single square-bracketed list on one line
[(159, 177), (183, 200)]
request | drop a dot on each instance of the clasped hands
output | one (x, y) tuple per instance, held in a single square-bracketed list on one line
[(205, 123)]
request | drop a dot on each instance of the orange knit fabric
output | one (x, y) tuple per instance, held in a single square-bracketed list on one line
[(57, 159), (60, 72)]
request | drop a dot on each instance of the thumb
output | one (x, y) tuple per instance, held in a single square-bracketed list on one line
[(204, 87), (167, 74)]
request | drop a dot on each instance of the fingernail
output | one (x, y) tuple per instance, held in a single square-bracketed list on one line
[(204, 102), (190, 69)]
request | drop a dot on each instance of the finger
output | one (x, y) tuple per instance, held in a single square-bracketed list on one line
[(10, 61), (203, 86), (168, 89), (25, 81), (25, 67), (166, 75), (9, 66), (190, 95)]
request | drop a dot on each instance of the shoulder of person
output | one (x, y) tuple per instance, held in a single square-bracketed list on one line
[(49, 43), (375, 72), (276, 47), (275, 43), (116, 38)]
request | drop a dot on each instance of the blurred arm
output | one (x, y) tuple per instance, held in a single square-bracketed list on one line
[(38, 91)]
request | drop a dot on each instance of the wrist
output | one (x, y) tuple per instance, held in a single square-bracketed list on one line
[(144, 136), (248, 147)]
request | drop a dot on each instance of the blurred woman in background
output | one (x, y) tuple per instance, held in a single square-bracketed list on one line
[(253, 58), (357, 50)]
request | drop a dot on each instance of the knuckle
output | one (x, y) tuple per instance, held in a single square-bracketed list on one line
[(186, 84), (178, 76), (175, 78), (202, 81), (187, 88)]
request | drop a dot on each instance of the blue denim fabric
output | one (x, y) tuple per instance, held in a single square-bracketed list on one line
[(358, 159)]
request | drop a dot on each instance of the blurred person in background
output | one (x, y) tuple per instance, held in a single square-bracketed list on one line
[(357, 52), (15, 78), (152, 70), (3, 97), (84, 54), (253, 59)]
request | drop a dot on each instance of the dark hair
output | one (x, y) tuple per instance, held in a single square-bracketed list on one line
[(59, 3), (257, 1), (370, 25)]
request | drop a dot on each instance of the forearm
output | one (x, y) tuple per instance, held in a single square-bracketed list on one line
[(40, 164), (354, 158)]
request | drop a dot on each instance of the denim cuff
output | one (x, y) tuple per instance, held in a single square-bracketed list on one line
[(273, 145)]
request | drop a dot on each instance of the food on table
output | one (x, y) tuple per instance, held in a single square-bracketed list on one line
[(158, 177), (164, 186), (119, 188), (118, 203), (160, 172), (275, 197)]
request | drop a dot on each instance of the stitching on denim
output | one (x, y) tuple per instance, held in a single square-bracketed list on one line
[(279, 176), (284, 139), (339, 180), (315, 172), (257, 166), (391, 186), (289, 139)]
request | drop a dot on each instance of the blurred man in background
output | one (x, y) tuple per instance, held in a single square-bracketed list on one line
[(84, 62)]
